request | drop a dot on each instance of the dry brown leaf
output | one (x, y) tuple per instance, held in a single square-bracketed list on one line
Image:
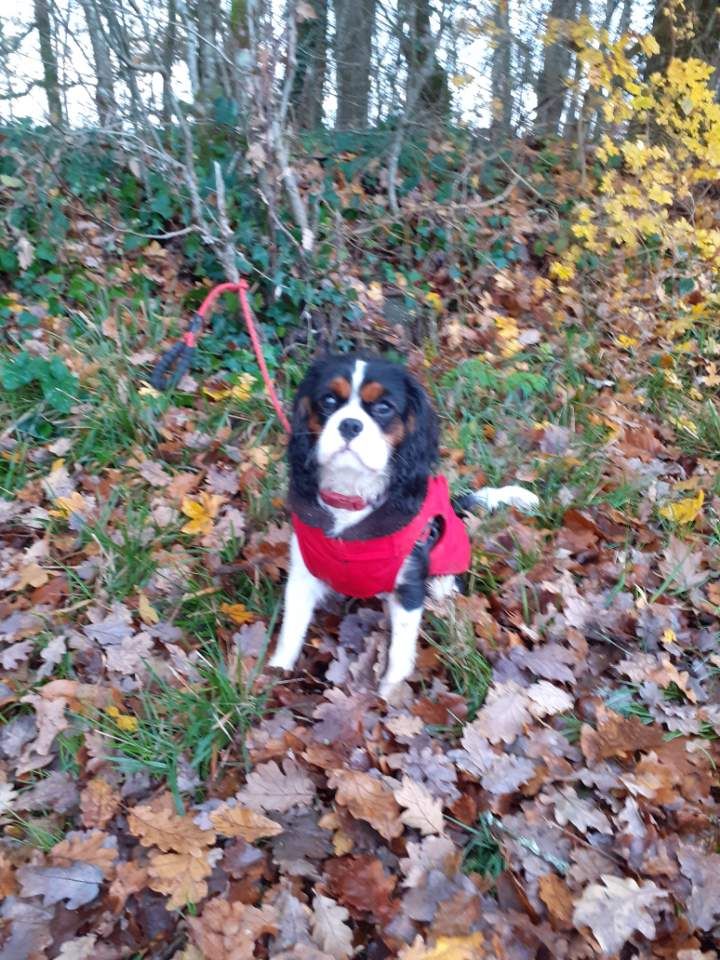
[(557, 898), (99, 803), (97, 848), (157, 825), (422, 811), (228, 931), (180, 876), (617, 736), (330, 930), (270, 788), (616, 908), (129, 878), (367, 798), (242, 822)]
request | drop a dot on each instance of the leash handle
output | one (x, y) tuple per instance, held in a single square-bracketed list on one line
[(176, 362)]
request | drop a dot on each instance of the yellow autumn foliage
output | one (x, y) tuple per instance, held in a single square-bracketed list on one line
[(662, 144)]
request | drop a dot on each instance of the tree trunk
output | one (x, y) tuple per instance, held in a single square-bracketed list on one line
[(51, 82), (501, 74), (309, 82), (104, 89), (434, 94), (551, 86), (685, 30), (207, 60), (168, 60), (354, 29)]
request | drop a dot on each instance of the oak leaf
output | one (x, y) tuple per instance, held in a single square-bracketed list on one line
[(367, 798), (241, 822), (228, 931), (270, 788), (157, 825), (76, 884), (181, 876), (422, 811), (98, 803), (95, 847), (330, 930), (129, 878), (616, 910)]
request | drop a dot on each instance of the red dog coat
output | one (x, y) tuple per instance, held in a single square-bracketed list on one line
[(364, 568)]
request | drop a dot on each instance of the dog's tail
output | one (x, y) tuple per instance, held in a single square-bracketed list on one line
[(490, 498)]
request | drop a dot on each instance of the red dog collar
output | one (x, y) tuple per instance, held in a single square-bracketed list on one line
[(342, 502)]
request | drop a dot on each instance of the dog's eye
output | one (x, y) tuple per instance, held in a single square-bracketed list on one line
[(382, 408), (328, 403)]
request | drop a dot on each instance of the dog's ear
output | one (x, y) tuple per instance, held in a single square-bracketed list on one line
[(301, 448), (417, 453)]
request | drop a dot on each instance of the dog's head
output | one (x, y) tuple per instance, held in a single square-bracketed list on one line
[(362, 425)]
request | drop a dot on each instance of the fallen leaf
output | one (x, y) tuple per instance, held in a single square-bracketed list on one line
[(685, 510), (76, 884), (270, 788), (447, 948), (99, 803), (229, 931), (240, 822), (202, 512), (180, 876), (148, 613), (157, 825), (367, 798), (616, 908), (330, 929), (31, 575), (96, 848), (422, 811), (237, 612)]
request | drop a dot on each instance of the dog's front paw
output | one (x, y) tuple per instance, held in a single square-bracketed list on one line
[(279, 662)]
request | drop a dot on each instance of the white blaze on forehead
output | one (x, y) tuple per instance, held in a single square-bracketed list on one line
[(358, 375)]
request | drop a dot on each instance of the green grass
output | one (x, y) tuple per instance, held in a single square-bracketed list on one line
[(469, 672), (191, 723), (482, 853)]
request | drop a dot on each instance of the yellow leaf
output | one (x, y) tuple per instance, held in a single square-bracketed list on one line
[(447, 948), (148, 613), (684, 511), (237, 612), (67, 506), (434, 300), (31, 575), (627, 342), (127, 722), (201, 512)]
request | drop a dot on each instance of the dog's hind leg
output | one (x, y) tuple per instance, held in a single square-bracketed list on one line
[(302, 594)]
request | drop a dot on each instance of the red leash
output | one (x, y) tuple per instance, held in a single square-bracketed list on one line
[(176, 362)]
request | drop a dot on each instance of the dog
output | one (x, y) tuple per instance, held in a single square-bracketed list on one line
[(369, 517)]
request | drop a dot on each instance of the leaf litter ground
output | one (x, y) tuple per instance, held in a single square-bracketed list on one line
[(545, 787)]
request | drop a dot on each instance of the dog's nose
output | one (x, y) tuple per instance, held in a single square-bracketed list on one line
[(349, 428)]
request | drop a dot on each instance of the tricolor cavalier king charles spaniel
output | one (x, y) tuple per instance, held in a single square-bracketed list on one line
[(369, 517)]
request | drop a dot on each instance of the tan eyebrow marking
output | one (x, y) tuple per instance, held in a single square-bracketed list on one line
[(341, 387), (371, 391)]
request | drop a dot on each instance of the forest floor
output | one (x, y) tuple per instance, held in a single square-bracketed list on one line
[(548, 786)]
